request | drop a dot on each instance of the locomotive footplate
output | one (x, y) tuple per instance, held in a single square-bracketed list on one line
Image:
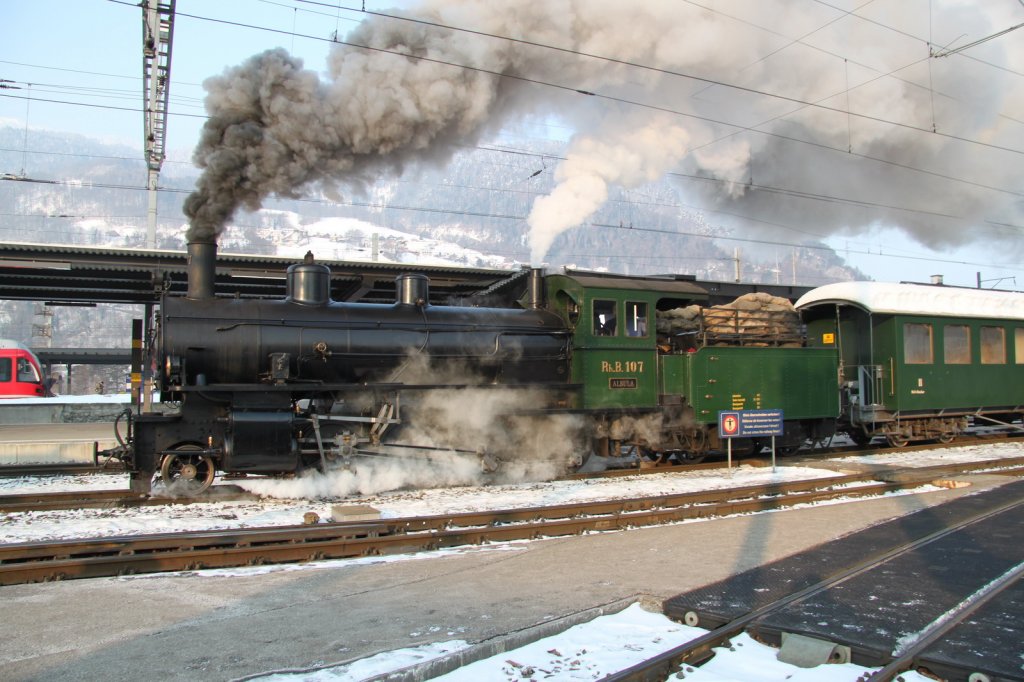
[(900, 598)]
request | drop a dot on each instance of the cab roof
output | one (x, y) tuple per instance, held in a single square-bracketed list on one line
[(918, 299), (678, 287)]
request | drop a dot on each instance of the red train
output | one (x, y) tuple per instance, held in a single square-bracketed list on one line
[(20, 374)]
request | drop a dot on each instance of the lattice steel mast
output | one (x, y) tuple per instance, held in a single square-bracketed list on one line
[(157, 35)]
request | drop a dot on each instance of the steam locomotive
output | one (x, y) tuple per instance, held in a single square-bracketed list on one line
[(278, 387)]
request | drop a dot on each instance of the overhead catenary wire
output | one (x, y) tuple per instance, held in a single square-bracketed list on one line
[(751, 128), (633, 228), (796, 192)]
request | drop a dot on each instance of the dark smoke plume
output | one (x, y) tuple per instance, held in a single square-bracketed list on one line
[(278, 128)]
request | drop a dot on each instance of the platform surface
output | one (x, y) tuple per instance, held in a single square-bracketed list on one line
[(55, 433), (874, 611), (52, 443), (198, 626), (986, 642)]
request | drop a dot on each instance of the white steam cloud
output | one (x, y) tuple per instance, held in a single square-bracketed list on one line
[(414, 89), (627, 156), (465, 436)]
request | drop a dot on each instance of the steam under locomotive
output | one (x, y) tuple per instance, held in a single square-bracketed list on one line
[(278, 387)]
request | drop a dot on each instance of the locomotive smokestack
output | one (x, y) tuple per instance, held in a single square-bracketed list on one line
[(536, 288), (202, 268)]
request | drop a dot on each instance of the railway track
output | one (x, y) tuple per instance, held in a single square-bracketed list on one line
[(922, 651), (64, 468), (107, 499), (34, 562), (110, 499), (967, 439)]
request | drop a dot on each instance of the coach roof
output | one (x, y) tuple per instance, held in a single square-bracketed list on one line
[(918, 299)]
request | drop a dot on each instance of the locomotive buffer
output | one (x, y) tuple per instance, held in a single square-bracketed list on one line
[(749, 424)]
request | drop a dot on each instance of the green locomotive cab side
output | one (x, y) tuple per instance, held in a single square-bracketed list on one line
[(614, 349)]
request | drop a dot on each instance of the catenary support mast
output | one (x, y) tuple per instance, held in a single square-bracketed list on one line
[(157, 35)]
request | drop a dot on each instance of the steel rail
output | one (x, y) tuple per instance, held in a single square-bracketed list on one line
[(968, 439), (72, 468), (31, 562), (909, 658), (122, 498), (110, 499), (800, 457)]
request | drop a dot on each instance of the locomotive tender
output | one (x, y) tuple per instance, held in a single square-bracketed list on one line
[(277, 387)]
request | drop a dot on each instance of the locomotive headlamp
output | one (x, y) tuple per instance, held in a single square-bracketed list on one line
[(172, 368)]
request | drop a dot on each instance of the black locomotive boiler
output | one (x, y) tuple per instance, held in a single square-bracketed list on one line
[(278, 386)]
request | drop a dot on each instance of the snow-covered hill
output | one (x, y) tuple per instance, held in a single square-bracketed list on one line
[(61, 188)]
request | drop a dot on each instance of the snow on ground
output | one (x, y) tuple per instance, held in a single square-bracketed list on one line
[(271, 511), (927, 458), (585, 652), (591, 651)]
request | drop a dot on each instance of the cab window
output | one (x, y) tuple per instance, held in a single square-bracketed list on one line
[(604, 318), (5, 369), (636, 318), (917, 343), (993, 346)]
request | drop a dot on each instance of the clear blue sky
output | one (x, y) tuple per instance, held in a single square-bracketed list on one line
[(90, 51)]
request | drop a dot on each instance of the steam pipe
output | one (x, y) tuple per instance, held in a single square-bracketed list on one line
[(202, 269)]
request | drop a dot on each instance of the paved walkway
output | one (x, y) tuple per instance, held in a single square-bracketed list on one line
[(219, 628), (55, 433)]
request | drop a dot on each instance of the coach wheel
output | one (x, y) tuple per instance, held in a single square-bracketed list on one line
[(946, 438), (187, 473), (897, 441), (860, 438)]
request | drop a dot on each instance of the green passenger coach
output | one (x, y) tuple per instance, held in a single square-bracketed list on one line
[(919, 361)]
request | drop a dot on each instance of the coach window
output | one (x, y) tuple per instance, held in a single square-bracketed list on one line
[(993, 346), (956, 344), (636, 318), (1018, 345), (917, 344), (604, 318)]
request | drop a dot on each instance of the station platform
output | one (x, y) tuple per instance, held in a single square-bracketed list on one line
[(874, 611), (53, 443), (59, 429)]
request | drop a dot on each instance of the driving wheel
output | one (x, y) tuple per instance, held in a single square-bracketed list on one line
[(187, 472)]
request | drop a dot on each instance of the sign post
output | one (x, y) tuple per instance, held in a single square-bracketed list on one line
[(749, 424)]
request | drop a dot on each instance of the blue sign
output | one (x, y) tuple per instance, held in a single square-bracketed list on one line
[(750, 423)]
